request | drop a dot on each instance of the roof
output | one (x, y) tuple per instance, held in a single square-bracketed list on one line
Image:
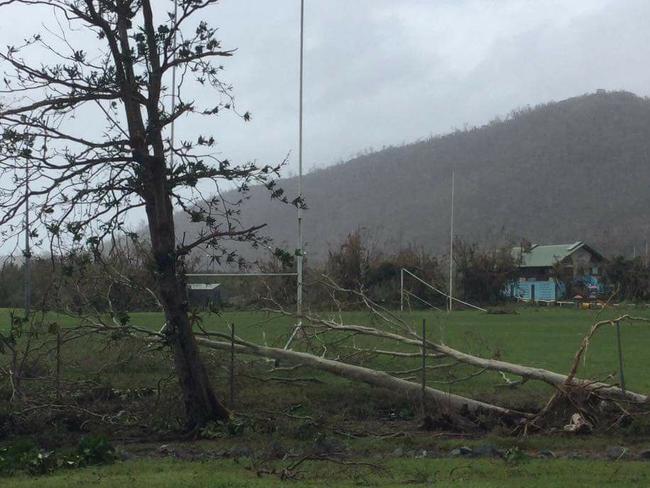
[(203, 286), (547, 256)]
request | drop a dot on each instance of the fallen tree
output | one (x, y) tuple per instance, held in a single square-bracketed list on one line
[(443, 401), (552, 378), (584, 395)]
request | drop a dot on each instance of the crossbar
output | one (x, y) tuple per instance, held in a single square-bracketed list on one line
[(205, 275)]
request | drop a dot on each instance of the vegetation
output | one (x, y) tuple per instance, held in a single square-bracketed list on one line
[(631, 277), (114, 363)]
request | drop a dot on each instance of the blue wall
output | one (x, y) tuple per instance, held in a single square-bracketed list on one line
[(544, 290)]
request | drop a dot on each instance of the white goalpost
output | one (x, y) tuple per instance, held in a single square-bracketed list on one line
[(300, 244), (404, 292)]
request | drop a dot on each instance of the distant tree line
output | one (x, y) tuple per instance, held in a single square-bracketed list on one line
[(119, 280)]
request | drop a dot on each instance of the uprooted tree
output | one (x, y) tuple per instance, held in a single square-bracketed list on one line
[(85, 119)]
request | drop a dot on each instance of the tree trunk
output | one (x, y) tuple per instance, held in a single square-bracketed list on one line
[(552, 378), (200, 400), (148, 149)]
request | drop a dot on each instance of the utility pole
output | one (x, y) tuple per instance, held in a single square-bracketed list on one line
[(451, 248), (299, 249), (299, 253), (401, 290), (172, 135)]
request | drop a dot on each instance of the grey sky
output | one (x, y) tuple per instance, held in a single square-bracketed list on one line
[(381, 72)]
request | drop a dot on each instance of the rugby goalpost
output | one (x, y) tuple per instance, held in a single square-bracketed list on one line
[(404, 292), (299, 253)]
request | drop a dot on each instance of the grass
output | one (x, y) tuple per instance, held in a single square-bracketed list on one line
[(396, 473), (540, 337), (295, 414)]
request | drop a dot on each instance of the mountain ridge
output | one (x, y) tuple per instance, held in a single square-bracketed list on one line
[(571, 170)]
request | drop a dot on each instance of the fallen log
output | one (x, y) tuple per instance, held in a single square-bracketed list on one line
[(552, 378), (442, 400)]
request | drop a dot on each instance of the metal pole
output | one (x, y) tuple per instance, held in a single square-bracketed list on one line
[(27, 252), (401, 289), (172, 135), (299, 253), (451, 248), (232, 365), (620, 356), (299, 250), (424, 365), (58, 364)]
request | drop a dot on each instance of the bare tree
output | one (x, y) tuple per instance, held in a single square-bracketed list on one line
[(112, 61)]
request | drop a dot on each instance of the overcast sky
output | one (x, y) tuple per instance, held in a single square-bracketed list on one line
[(381, 72)]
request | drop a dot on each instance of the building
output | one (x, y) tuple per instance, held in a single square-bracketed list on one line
[(204, 295), (554, 272)]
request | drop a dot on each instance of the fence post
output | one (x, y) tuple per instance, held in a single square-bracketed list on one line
[(58, 364), (401, 290), (424, 365), (232, 365), (620, 355)]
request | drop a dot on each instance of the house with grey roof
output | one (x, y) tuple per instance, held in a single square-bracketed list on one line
[(554, 272)]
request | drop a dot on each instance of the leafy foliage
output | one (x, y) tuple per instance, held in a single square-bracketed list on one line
[(26, 457), (94, 450), (630, 277), (483, 274)]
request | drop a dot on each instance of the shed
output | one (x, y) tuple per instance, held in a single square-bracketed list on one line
[(204, 295)]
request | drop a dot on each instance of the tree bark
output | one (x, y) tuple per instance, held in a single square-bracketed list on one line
[(200, 401)]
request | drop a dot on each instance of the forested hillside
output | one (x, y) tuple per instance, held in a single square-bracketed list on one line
[(561, 172)]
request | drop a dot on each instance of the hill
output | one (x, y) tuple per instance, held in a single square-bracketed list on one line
[(560, 172)]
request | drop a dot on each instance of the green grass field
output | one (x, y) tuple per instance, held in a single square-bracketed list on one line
[(350, 413), (540, 337), (416, 473)]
